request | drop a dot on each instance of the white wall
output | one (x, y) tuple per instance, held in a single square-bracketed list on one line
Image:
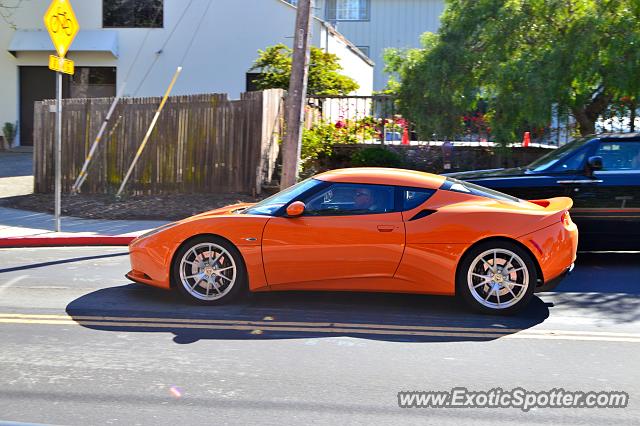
[(222, 52), (353, 62), (393, 23)]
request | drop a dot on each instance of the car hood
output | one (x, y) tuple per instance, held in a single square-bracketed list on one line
[(227, 210), (487, 174)]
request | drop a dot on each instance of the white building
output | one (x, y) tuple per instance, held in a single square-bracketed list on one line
[(142, 42), (375, 25)]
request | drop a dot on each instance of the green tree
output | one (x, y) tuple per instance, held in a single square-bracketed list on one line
[(274, 65), (522, 57)]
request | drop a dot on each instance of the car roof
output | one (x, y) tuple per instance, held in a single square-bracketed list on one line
[(383, 176), (618, 137)]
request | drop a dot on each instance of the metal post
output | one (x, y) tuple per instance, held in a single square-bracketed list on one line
[(83, 173), (149, 131), (296, 96), (58, 153)]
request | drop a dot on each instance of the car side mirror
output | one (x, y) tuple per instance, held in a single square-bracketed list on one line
[(594, 164), (295, 209)]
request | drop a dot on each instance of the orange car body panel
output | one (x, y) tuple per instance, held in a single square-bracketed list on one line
[(386, 252), (152, 257), (554, 248), (320, 248)]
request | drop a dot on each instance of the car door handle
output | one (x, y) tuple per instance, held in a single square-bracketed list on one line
[(386, 228), (580, 181)]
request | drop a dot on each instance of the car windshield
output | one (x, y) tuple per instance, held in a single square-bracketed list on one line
[(269, 206), (552, 158)]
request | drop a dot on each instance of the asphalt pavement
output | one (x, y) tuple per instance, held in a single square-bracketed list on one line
[(16, 173), (82, 345)]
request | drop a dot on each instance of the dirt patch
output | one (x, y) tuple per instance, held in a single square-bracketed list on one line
[(140, 207)]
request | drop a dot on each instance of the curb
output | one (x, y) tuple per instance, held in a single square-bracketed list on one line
[(91, 240)]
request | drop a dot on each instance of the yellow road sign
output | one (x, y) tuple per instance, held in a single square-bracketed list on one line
[(62, 25), (64, 65)]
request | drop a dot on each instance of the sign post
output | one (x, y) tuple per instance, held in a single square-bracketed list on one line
[(63, 27)]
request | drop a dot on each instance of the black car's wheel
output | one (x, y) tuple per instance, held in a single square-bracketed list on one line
[(496, 277), (209, 270)]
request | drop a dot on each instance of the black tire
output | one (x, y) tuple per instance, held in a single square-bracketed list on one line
[(199, 251), (509, 289)]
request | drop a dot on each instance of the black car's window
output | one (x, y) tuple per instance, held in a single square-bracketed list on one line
[(413, 197), (571, 162), (271, 205), (555, 157), (351, 199), (460, 186), (619, 155)]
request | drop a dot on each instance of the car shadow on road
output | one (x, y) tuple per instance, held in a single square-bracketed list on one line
[(603, 285), (297, 315)]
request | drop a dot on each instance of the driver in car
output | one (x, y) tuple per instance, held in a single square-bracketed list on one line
[(363, 199)]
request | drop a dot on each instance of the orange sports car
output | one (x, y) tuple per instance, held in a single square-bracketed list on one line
[(367, 229)]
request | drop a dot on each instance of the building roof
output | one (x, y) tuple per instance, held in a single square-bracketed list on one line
[(85, 41)]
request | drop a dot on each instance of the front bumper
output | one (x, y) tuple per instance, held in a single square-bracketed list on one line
[(142, 278), (150, 262)]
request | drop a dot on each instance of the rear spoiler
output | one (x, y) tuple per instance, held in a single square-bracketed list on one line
[(555, 204)]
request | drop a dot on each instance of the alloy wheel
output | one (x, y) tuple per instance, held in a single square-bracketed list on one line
[(498, 278), (207, 271)]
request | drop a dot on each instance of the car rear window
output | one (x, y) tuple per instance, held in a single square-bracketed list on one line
[(451, 184), (413, 197)]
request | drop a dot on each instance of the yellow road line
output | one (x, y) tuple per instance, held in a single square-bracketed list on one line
[(266, 323), (249, 328), (314, 324), (329, 328)]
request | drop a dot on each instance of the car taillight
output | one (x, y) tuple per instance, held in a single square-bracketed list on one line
[(566, 218)]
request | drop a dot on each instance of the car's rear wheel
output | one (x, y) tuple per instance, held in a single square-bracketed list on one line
[(209, 270), (497, 277)]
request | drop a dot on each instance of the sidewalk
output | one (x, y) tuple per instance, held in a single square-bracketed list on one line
[(21, 228)]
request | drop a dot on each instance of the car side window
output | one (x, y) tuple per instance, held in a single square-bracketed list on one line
[(413, 197), (342, 199), (619, 155), (572, 163)]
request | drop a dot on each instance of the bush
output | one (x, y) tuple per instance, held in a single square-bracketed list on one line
[(9, 131), (318, 141), (376, 157)]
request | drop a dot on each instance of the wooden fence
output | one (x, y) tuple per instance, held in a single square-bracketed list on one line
[(201, 144)]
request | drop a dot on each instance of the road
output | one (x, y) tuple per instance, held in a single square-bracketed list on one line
[(81, 345)]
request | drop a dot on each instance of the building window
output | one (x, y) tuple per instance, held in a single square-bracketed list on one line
[(365, 50), (93, 82), (132, 13), (293, 2), (251, 84), (348, 10)]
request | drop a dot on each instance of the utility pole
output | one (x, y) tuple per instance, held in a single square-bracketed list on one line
[(296, 96)]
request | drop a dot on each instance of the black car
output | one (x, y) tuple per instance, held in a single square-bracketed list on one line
[(602, 176)]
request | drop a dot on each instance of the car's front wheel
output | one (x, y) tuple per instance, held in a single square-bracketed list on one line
[(497, 277), (209, 270)]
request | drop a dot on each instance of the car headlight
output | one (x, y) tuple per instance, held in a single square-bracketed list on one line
[(156, 230)]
